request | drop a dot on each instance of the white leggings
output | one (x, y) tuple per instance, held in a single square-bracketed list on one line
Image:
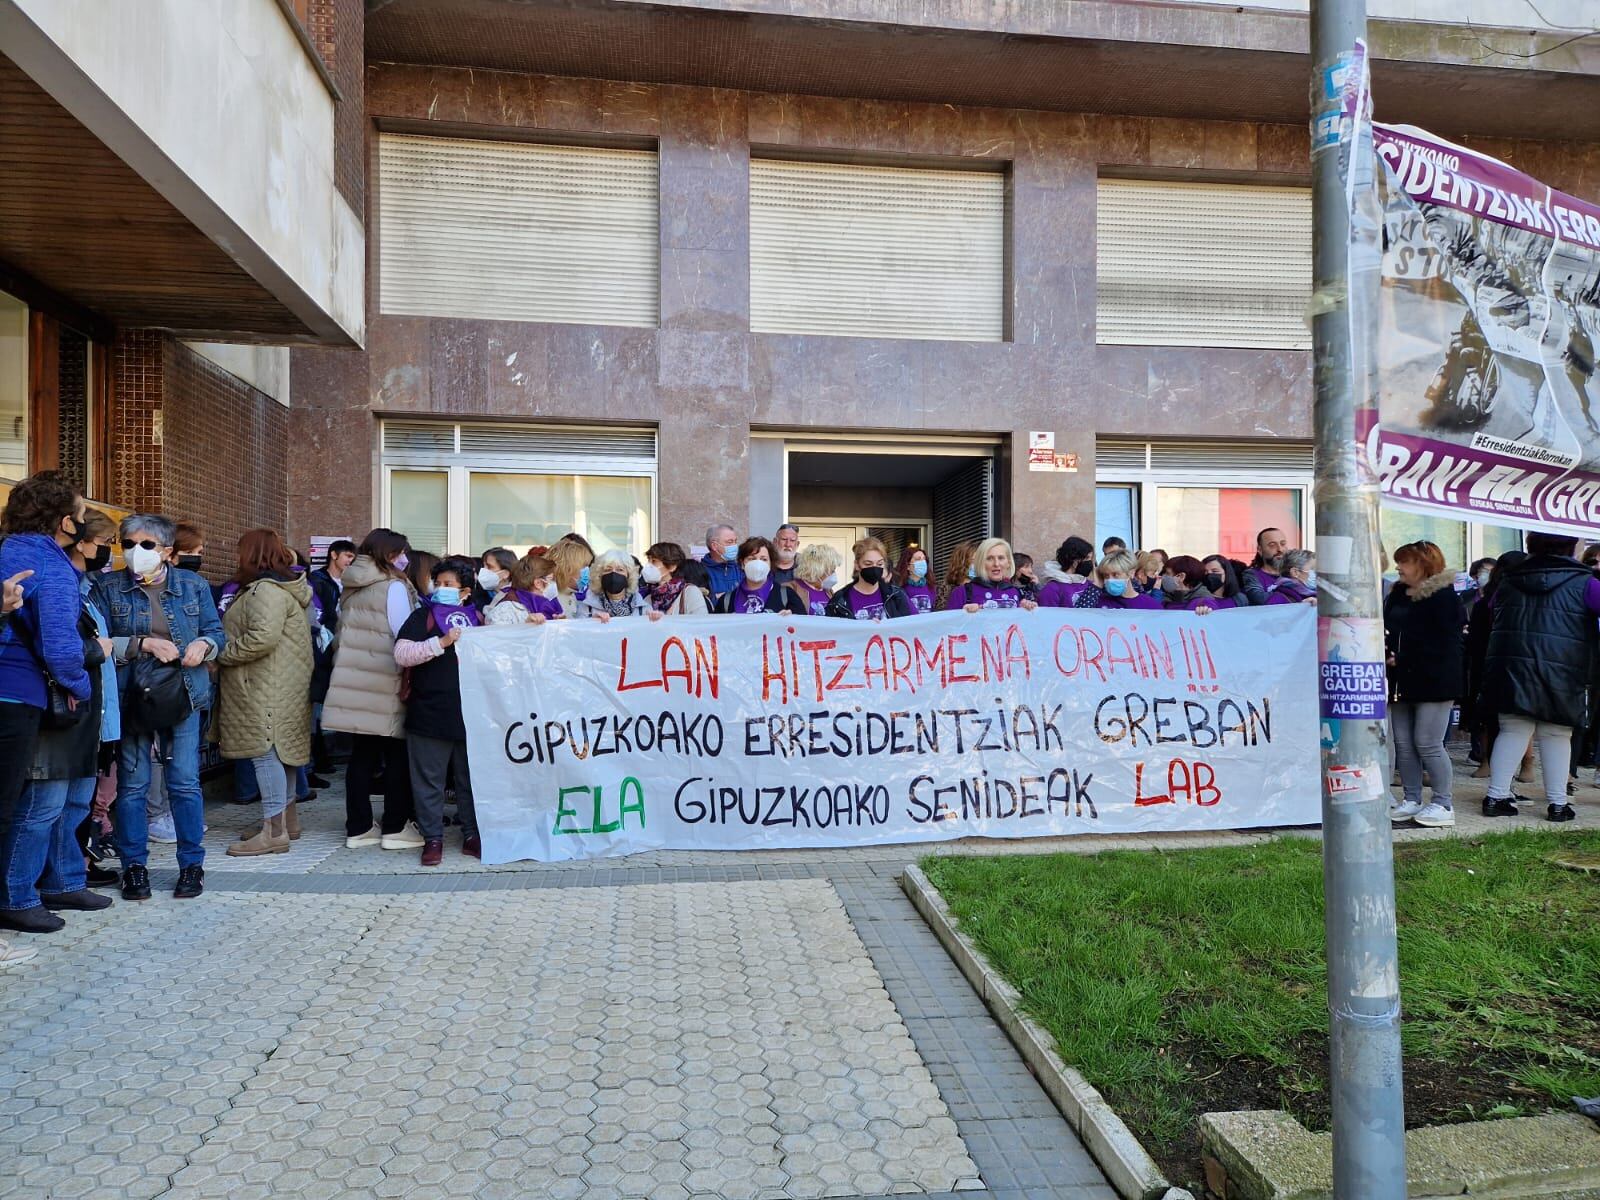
[(1555, 756)]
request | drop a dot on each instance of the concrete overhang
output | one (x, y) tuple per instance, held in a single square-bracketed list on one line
[(1195, 60), (172, 166)]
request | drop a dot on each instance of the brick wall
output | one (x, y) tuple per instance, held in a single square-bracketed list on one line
[(336, 28), (226, 455)]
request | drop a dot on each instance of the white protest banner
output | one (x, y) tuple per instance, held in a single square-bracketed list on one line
[(589, 739), (1488, 319)]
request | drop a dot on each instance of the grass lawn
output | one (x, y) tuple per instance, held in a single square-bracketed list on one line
[(1183, 983)]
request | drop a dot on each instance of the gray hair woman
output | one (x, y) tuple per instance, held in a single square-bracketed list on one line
[(614, 590), (1297, 583)]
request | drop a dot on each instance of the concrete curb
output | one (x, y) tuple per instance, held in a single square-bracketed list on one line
[(1118, 1153)]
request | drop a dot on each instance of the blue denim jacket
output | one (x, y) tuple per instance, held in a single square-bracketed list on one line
[(191, 613)]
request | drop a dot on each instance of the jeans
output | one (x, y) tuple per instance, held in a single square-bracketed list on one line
[(30, 839), (366, 752), (1555, 756), (274, 781), (1419, 733), (245, 787), (182, 773), (19, 731), (433, 761), (64, 869)]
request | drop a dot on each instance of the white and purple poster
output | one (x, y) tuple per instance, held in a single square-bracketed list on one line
[(710, 733), (1488, 318)]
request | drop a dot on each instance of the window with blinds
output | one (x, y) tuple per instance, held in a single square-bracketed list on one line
[(1203, 264), (871, 251), (516, 231)]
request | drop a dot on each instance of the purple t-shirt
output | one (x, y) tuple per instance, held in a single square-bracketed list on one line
[(1100, 598), (984, 595), (747, 601), (920, 595), (1059, 594), (866, 608)]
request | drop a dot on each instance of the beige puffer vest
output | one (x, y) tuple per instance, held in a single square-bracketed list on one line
[(364, 696)]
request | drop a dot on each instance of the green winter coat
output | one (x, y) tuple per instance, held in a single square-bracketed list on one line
[(266, 673)]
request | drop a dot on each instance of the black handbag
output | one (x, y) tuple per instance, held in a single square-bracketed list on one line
[(61, 709), (155, 697)]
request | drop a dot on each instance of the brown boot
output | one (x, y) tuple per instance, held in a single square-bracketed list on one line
[(271, 838), (291, 822)]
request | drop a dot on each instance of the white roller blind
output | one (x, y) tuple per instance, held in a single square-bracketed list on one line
[(1203, 264), (515, 231), (877, 251)]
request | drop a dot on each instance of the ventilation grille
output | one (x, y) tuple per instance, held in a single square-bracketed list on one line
[(1203, 457), (963, 511), (437, 439)]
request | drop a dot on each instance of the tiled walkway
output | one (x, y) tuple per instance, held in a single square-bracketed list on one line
[(338, 1022)]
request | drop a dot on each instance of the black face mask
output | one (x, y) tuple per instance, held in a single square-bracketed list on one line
[(101, 557), (1216, 582), (871, 574), (613, 583), (76, 529), (190, 562), (1026, 580)]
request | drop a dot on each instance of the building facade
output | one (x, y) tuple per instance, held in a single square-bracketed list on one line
[(161, 246)]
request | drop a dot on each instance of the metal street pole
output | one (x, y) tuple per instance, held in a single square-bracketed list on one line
[(1369, 1160)]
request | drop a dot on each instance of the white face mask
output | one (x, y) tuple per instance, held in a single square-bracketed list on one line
[(650, 573), (756, 570), (1483, 579), (831, 583), (144, 563), (550, 592), (488, 579)]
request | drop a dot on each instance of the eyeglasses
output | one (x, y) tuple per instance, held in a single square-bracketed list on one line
[(143, 544)]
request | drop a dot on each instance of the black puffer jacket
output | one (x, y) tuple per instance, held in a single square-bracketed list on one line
[(895, 602), (1423, 628), (1542, 643)]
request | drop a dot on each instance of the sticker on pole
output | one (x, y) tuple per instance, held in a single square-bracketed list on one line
[(1354, 684)]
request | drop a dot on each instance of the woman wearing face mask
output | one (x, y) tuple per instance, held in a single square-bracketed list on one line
[(1027, 578), (1112, 585), (1222, 580), (750, 594), (1148, 569), (873, 596), (264, 718), (519, 591), (1067, 574), (816, 577), (1298, 581), (45, 638), (911, 573), (62, 776), (671, 594), (993, 583), (436, 734), (614, 591), (364, 695), (188, 547), (573, 571), (1185, 587)]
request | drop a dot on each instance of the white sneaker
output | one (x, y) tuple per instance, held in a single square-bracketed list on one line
[(1436, 816), (14, 955), (409, 838), (370, 838), (162, 830), (1596, 781), (1404, 810)]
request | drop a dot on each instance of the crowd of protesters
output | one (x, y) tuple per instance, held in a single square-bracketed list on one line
[(111, 678)]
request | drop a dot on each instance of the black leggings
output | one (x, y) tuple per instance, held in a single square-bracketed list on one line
[(366, 754)]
